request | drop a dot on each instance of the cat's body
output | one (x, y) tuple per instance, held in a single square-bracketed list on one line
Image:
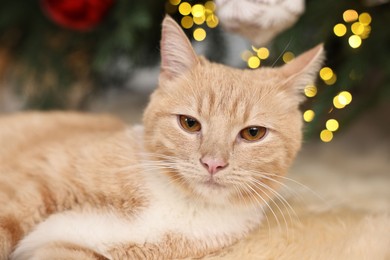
[(195, 178), (104, 203)]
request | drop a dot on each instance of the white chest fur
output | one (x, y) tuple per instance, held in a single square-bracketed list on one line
[(168, 212)]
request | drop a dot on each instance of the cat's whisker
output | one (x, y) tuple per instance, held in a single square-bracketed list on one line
[(237, 187), (273, 177), (303, 186), (259, 203), (257, 195), (273, 191), (283, 201), (277, 194), (266, 175), (253, 181)]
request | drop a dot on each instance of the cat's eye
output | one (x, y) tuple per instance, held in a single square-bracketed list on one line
[(253, 133), (189, 124)]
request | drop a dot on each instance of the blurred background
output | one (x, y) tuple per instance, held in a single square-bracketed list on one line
[(103, 56)]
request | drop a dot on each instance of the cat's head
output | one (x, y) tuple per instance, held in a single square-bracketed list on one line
[(224, 134)]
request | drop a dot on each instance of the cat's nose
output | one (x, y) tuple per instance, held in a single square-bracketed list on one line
[(213, 165)]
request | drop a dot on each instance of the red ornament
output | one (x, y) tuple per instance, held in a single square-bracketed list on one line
[(79, 15)]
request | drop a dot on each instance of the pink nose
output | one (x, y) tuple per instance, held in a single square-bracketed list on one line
[(213, 165)]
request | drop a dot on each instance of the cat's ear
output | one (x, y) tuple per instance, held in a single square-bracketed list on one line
[(303, 70), (177, 54)]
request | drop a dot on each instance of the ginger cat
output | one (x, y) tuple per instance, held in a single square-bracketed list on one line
[(194, 179)]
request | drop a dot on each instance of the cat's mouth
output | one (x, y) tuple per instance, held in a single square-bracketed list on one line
[(212, 183)]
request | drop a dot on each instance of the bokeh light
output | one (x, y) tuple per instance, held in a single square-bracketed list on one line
[(332, 125), (342, 99), (357, 28), (350, 15), (332, 80), (326, 73), (253, 62), (263, 53), (288, 56), (355, 41), (308, 115), (199, 20), (365, 18), (345, 97), (198, 10), (209, 6), (310, 90), (212, 21), (199, 34), (187, 22), (337, 104), (326, 135), (340, 29), (185, 8)]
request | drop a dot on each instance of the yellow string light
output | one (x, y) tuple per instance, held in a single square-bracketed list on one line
[(199, 34), (350, 15), (326, 135), (199, 20), (198, 10), (336, 102), (263, 53), (210, 6), (340, 29), (288, 56), (345, 97), (308, 115), (253, 62), (326, 73), (310, 90), (187, 22), (365, 18), (185, 8), (355, 41), (332, 80), (212, 21), (332, 125), (357, 28)]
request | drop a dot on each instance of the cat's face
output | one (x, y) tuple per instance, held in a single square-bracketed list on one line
[(224, 134)]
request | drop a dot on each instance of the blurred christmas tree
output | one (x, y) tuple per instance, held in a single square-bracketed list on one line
[(56, 52)]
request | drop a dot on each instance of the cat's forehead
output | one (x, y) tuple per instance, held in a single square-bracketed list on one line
[(217, 90)]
